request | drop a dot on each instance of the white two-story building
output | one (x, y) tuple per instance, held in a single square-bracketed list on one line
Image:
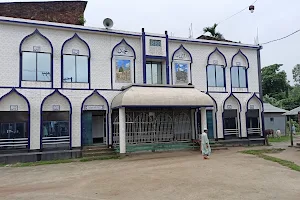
[(69, 86)]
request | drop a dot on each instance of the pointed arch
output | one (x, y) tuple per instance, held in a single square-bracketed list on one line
[(80, 39), (95, 92), (246, 64), (36, 31), (12, 91), (254, 96), (233, 96), (237, 130), (56, 91), (216, 51), (239, 71), (181, 66), (182, 48), (124, 53), (215, 102), (75, 54), (123, 41), (259, 129)]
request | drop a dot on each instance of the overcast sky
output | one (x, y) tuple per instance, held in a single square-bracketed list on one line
[(274, 19)]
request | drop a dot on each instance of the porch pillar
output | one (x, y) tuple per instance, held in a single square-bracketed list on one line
[(122, 129), (193, 124), (203, 119)]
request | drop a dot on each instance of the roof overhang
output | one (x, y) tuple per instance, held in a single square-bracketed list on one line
[(161, 96)]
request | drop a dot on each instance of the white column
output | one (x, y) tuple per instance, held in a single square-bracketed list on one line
[(110, 128), (193, 123), (122, 129), (203, 119)]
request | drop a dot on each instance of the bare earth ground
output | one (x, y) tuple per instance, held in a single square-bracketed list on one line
[(228, 175)]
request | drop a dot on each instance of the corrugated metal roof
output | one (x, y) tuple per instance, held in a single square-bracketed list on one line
[(268, 108), (293, 112)]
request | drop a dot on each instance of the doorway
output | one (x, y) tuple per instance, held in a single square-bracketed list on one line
[(93, 127), (253, 123), (231, 124), (209, 124)]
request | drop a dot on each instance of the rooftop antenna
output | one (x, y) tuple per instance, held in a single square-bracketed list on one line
[(256, 40), (191, 31)]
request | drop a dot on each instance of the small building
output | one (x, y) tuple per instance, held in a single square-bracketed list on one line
[(274, 118)]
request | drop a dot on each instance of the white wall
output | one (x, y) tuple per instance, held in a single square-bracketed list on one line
[(101, 46)]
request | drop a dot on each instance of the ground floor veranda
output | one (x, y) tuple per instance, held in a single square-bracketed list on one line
[(135, 116)]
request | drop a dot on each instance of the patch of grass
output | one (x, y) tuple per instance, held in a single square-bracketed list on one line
[(261, 154), (282, 162), (99, 158), (261, 151), (49, 162), (280, 139)]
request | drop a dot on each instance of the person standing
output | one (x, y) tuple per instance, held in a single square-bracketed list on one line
[(205, 147), (293, 129)]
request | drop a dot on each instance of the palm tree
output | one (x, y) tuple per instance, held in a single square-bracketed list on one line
[(213, 32)]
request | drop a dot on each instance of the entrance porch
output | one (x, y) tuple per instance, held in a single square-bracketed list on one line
[(150, 116)]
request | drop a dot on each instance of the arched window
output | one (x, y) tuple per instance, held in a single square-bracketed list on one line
[(36, 58), (216, 64), (76, 59), (181, 66), (239, 68), (123, 64)]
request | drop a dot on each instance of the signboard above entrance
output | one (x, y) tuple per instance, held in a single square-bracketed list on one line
[(93, 107)]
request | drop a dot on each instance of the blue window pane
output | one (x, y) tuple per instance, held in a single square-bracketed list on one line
[(44, 67), (242, 77), (28, 66), (69, 68), (220, 76), (235, 77), (211, 75), (154, 73), (159, 74), (148, 73), (82, 69), (55, 128)]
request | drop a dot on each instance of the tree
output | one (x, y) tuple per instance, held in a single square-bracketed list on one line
[(213, 32), (274, 82), (296, 74)]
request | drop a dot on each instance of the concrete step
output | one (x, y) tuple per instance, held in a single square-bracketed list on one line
[(97, 154), (96, 149)]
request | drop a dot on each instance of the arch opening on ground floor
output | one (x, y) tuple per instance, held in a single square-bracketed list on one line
[(94, 125), (56, 117), (14, 121)]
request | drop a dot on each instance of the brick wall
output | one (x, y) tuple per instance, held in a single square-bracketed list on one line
[(68, 12)]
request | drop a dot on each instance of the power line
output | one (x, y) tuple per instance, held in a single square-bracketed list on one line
[(236, 13), (282, 37)]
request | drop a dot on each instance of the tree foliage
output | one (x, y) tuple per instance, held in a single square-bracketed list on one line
[(213, 32), (276, 88), (274, 81), (296, 74)]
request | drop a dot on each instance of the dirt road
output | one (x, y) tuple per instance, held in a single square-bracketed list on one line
[(176, 176)]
